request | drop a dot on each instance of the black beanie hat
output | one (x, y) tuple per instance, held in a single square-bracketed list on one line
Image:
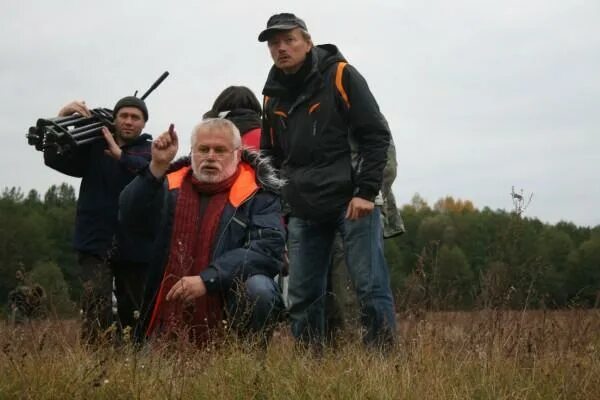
[(131, 101)]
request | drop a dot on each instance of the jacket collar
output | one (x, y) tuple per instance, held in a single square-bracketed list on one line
[(143, 138), (263, 175), (242, 189), (322, 56)]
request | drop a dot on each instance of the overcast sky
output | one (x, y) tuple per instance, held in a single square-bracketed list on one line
[(480, 95)]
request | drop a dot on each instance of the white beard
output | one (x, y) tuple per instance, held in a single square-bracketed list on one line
[(203, 176)]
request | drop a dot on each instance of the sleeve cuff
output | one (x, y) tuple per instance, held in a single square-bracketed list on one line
[(366, 194), (150, 177), (210, 277), (124, 159)]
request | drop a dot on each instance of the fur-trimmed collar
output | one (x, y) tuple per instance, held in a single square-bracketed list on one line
[(266, 175)]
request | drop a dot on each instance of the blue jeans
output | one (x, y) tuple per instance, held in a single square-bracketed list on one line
[(254, 307), (310, 247)]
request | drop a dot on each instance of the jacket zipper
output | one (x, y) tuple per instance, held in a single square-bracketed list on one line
[(227, 225)]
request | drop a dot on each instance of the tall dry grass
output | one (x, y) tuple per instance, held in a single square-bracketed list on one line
[(491, 354)]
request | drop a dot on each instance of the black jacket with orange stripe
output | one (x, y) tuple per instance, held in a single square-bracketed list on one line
[(306, 132)]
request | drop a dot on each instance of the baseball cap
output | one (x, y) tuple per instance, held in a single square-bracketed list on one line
[(281, 22)]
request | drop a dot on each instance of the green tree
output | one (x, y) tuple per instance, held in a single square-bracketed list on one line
[(584, 273), (454, 277), (394, 260), (60, 204), (13, 194), (50, 277), (437, 228), (33, 198), (577, 234), (555, 246), (419, 204), (23, 241)]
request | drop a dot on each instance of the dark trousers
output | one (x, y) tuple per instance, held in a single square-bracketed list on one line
[(96, 299), (130, 283)]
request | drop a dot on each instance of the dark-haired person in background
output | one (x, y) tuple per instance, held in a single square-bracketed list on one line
[(106, 167), (239, 105)]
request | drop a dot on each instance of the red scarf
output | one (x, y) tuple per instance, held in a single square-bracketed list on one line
[(197, 214)]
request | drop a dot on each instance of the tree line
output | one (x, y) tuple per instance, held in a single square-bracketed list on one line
[(453, 255)]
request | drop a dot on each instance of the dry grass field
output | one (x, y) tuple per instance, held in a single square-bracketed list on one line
[(490, 354)]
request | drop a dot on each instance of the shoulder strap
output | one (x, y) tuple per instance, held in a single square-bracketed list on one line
[(344, 107), (339, 73)]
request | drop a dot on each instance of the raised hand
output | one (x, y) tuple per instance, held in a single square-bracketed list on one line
[(164, 150), (75, 107)]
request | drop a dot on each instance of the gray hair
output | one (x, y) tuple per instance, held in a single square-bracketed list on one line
[(306, 35), (218, 123)]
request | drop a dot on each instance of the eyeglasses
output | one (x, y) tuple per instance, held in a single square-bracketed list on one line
[(218, 153)]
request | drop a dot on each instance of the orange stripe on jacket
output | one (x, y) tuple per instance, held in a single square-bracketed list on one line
[(313, 108), (244, 186), (175, 179)]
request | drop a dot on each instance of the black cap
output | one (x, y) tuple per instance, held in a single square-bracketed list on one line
[(131, 101), (281, 22)]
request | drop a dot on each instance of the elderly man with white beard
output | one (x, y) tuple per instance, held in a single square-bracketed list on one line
[(216, 216)]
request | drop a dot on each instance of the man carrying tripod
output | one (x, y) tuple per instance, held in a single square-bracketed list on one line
[(106, 167)]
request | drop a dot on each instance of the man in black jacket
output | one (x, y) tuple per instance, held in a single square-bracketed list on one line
[(315, 106), (106, 167)]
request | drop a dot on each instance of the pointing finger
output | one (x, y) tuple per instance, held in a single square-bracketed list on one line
[(173, 134)]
